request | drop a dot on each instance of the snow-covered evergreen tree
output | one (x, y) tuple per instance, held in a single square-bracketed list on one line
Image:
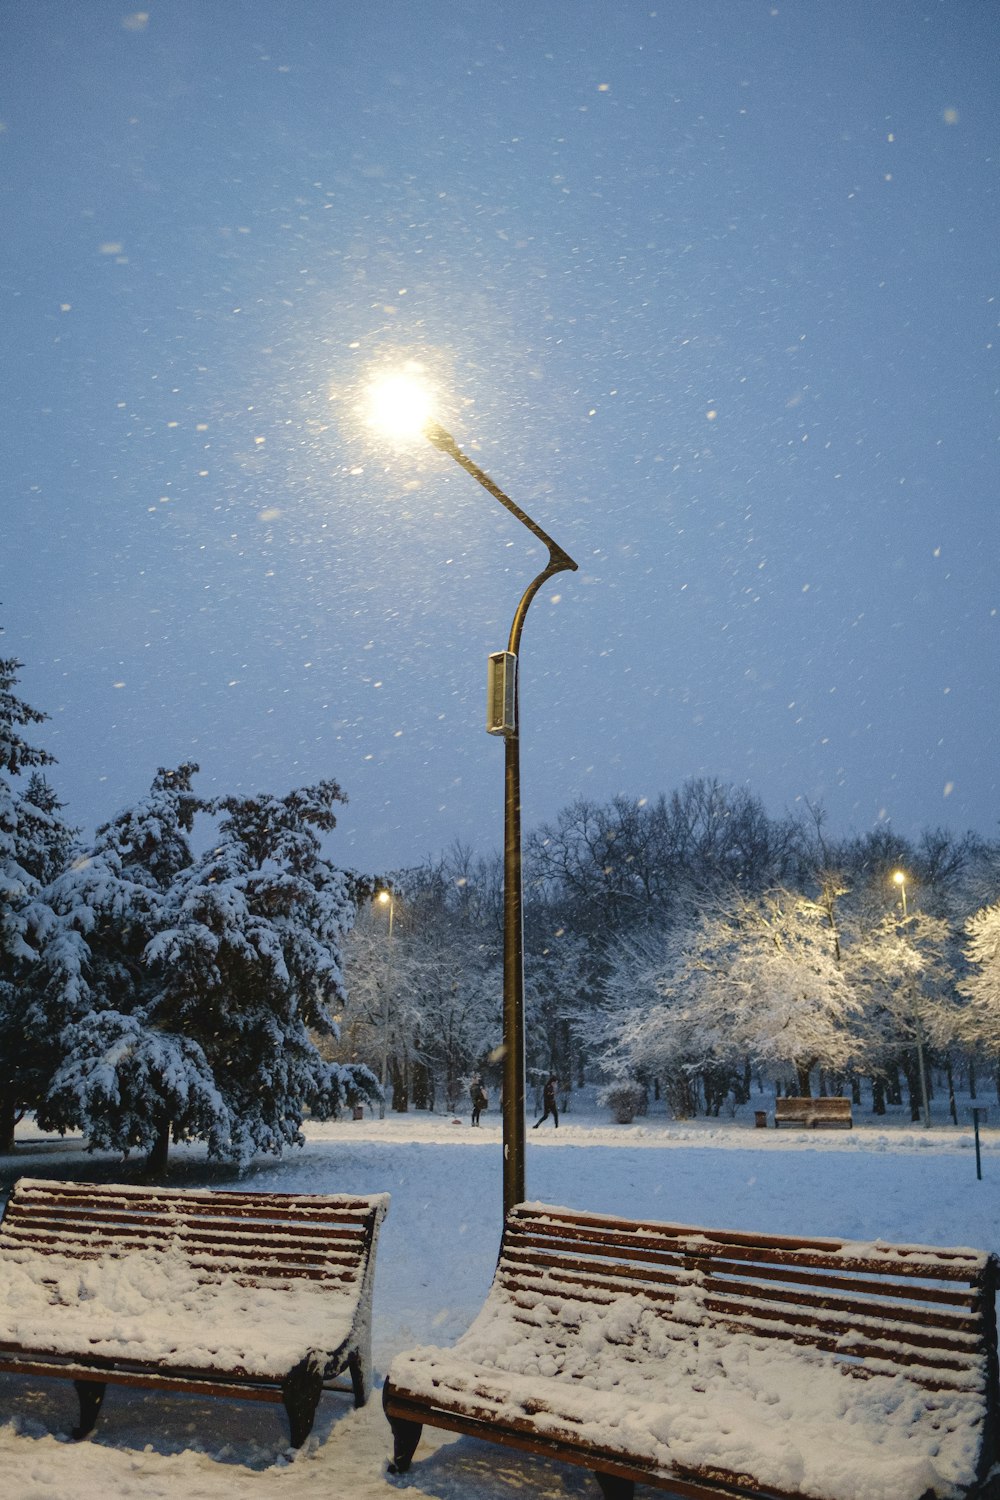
[(184, 992), (112, 1071), (251, 969), (33, 843)]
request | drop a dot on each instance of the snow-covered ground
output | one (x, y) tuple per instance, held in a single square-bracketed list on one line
[(883, 1179)]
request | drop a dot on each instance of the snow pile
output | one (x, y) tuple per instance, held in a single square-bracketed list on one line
[(157, 1305)]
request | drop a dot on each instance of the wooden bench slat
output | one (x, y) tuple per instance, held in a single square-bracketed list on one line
[(965, 1301), (834, 1318), (905, 1299), (539, 1218), (911, 1261), (206, 1241), (56, 1214)]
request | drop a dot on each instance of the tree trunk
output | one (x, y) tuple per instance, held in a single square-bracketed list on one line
[(422, 1088), (400, 1090), (803, 1070), (8, 1119), (893, 1084), (912, 1073), (878, 1095), (949, 1074), (156, 1161)]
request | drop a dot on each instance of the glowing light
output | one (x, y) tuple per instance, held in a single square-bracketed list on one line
[(899, 878), (399, 405)]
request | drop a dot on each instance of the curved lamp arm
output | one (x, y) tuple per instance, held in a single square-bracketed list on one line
[(559, 561)]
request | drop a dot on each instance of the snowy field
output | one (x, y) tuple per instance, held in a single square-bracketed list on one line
[(435, 1261)]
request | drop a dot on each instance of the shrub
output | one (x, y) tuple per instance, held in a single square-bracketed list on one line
[(625, 1100)]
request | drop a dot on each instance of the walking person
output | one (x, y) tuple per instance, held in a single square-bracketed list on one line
[(480, 1098), (550, 1101)]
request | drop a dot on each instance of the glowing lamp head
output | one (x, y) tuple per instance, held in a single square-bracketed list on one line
[(383, 897), (399, 405), (899, 878)]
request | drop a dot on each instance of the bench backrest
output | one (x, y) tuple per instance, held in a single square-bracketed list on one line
[(912, 1310), (832, 1107), (261, 1238)]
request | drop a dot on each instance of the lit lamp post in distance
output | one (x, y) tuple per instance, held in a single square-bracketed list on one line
[(384, 898), (402, 405), (899, 878)]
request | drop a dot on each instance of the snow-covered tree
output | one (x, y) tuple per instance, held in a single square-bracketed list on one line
[(253, 971), (910, 1008), (34, 841), (785, 997), (756, 982), (981, 1021), (558, 1000), (185, 992), (429, 994), (96, 988), (648, 1028)]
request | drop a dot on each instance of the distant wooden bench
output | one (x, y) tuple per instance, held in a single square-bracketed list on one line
[(713, 1363), (813, 1112), (261, 1296)]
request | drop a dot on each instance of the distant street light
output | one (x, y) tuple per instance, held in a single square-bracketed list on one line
[(402, 405), (385, 898), (899, 878)]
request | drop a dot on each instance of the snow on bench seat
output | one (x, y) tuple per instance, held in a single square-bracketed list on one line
[(262, 1295), (715, 1363)]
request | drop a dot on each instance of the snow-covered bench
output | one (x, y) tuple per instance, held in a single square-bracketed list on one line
[(713, 1363), (261, 1296), (833, 1110)]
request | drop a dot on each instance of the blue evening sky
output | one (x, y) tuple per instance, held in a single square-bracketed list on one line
[(708, 286)]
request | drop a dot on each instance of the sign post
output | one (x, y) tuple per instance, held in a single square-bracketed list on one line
[(976, 1110)]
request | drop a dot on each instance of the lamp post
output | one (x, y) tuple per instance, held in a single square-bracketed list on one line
[(384, 898), (899, 878), (401, 403)]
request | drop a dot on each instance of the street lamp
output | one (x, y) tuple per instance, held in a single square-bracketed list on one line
[(899, 878), (385, 898), (401, 404)]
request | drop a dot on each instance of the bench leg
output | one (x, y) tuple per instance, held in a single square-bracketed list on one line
[(613, 1488), (405, 1437), (301, 1392), (91, 1394), (357, 1369)]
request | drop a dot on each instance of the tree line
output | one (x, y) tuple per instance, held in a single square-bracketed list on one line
[(677, 945), (685, 944)]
